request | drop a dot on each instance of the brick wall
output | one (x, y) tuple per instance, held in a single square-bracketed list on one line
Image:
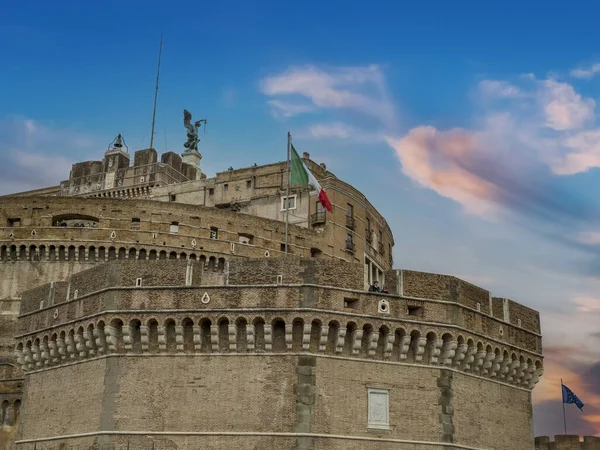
[(487, 419), (75, 406), (567, 442), (295, 270)]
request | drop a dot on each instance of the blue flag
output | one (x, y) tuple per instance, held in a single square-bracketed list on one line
[(569, 397)]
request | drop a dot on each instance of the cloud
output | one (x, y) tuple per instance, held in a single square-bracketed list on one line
[(340, 130), (286, 109), (437, 159), (498, 88), (587, 304), (563, 107), (586, 73), (33, 154), (359, 89)]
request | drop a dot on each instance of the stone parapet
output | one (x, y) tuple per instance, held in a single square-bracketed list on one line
[(567, 442)]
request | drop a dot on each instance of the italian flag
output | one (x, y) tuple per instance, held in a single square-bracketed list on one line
[(301, 175)]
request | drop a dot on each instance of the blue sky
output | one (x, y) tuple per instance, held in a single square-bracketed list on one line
[(471, 126)]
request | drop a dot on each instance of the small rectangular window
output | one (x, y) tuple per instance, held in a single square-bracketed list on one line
[(14, 223), (351, 303), (478, 306), (349, 210), (518, 322), (214, 232), (288, 202), (172, 197), (211, 191), (244, 238), (249, 184), (279, 279), (138, 282), (225, 187), (379, 409), (282, 247), (135, 223), (415, 311), (174, 228)]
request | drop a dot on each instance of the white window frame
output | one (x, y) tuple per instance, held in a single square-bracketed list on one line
[(284, 198), (378, 393)]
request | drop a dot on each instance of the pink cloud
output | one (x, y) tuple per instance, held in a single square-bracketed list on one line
[(435, 159), (564, 108)]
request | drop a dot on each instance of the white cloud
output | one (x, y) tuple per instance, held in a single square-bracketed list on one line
[(498, 88), (565, 109), (586, 73), (360, 89), (34, 154), (286, 109), (339, 130)]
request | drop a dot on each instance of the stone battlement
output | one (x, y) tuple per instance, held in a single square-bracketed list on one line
[(292, 305), (567, 442)]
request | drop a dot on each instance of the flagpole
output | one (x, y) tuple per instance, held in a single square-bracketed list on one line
[(563, 404), (287, 193)]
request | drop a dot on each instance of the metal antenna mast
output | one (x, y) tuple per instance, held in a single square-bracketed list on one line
[(156, 92)]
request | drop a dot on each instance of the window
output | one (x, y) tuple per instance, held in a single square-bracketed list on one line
[(350, 216), (174, 228), (282, 248), (244, 238), (379, 406), (415, 311), (225, 187), (351, 303), (288, 202), (138, 282), (519, 322), (172, 197), (214, 232), (249, 184), (14, 222), (211, 191), (135, 223), (350, 242)]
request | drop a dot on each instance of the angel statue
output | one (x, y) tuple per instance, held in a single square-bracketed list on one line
[(192, 133)]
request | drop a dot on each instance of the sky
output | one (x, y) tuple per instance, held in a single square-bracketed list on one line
[(471, 126)]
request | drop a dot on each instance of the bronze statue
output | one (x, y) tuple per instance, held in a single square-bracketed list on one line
[(192, 133)]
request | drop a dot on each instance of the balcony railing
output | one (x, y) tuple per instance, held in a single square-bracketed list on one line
[(350, 222), (368, 236), (318, 217), (350, 246)]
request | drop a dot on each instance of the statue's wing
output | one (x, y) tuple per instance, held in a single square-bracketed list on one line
[(187, 118)]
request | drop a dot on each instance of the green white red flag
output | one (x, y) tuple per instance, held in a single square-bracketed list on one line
[(300, 175)]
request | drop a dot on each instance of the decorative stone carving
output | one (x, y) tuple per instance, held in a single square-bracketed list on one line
[(323, 339), (404, 345), (214, 338), (306, 337), (341, 340), (250, 340), (232, 331), (268, 338), (372, 344)]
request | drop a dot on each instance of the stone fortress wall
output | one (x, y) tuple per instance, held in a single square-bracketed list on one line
[(309, 340), (154, 272), (567, 442)]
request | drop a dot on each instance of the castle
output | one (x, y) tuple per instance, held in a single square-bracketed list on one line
[(147, 305)]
